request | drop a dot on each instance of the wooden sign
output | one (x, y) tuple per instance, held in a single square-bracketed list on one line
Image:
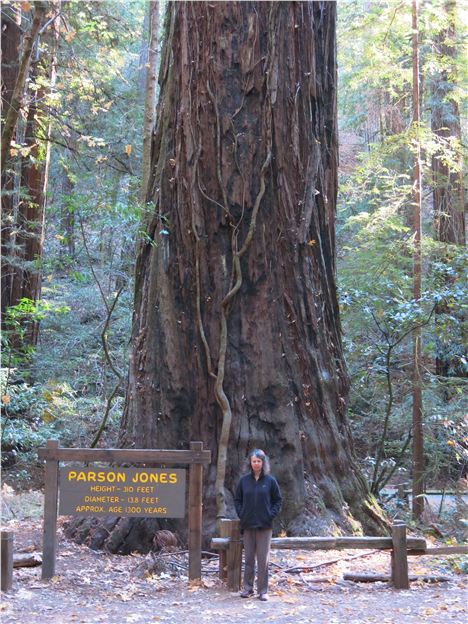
[(122, 492), (150, 482)]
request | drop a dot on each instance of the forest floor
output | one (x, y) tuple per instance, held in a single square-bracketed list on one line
[(95, 587)]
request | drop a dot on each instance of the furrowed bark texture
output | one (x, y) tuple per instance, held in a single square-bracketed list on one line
[(236, 318)]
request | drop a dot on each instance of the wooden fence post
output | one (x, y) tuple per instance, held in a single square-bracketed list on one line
[(195, 514), (399, 557), (6, 560), (50, 513), (234, 556), (224, 531)]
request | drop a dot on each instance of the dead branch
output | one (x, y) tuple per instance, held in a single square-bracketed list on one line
[(297, 569), (28, 560), (106, 414)]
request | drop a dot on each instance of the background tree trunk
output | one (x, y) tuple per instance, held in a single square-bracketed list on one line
[(68, 209), (11, 41), (150, 94), (30, 214), (242, 240), (418, 435), (16, 102), (448, 194)]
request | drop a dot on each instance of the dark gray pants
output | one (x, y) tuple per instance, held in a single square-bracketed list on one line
[(257, 546)]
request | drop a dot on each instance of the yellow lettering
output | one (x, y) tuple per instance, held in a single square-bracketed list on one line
[(102, 488), (72, 475), (89, 508), (173, 477), (155, 510)]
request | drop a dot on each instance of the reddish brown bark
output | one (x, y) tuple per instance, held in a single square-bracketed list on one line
[(242, 240), (11, 39), (10, 116), (23, 264), (30, 220)]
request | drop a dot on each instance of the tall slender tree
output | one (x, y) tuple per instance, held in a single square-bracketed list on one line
[(418, 436), (16, 102), (11, 41), (150, 93), (24, 260)]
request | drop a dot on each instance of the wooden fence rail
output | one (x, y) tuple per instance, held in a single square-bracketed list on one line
[(328, 543), (400, 545)]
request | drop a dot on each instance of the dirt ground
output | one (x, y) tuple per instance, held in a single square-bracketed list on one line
[(94, 587)]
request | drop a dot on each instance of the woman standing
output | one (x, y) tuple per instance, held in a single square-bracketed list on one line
[(258, 500)]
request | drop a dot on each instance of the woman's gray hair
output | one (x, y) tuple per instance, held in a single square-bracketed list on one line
[(261, 455)]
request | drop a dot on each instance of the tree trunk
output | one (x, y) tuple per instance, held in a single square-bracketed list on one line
[(418, 436), (236, 335), (448, 194), (27, 273), (68, 211), (150, 94), (16, 102), (11, 41)]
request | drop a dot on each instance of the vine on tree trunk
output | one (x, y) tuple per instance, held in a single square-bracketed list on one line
[(236, 276)]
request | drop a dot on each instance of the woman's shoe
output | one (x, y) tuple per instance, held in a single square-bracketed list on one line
[(246, 593), (263, 597)]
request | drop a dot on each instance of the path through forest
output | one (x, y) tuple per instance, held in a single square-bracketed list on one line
[(94, 587)]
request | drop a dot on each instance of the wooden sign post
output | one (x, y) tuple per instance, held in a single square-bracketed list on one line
[(49, 543), (195, 513), (196, 457)]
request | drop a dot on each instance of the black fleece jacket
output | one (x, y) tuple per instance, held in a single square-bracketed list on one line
[(257, 502)]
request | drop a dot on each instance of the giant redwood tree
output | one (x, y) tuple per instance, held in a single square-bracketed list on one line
[(236, 333)]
